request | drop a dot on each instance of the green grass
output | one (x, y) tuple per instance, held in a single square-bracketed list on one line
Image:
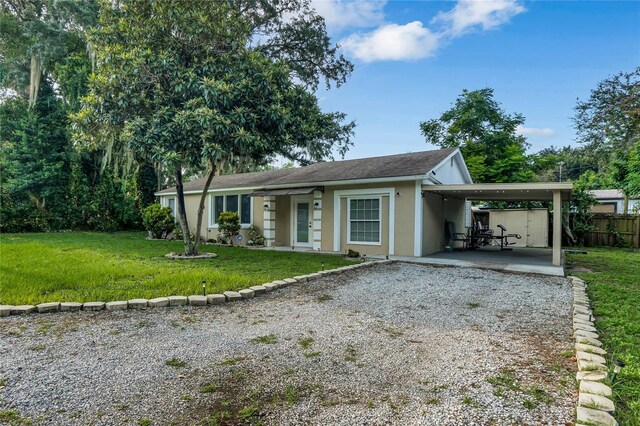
[(208, 388), (270, 339), (614, 289), (91, 266), (176, 362)]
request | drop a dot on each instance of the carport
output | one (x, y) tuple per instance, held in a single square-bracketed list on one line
[(447, 201)]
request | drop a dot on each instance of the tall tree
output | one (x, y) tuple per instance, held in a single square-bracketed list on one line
[(608, 124), (610, 119), (185, 85), (486, 135), (37, 35)]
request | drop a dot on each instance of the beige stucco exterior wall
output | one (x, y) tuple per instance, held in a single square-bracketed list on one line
[(192, 202), (432, 224), (403, 221), (283, 220), (404, 198), (366, 248)]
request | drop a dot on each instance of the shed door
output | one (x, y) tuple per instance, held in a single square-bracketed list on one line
[(538, 229)]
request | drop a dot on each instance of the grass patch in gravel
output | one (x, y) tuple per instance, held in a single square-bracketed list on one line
[(232, 361), (12, 418), (90, 266), (269, 339), (467, 400), (305, 342), (208, 388), (613, 287), (350, 354), (324, 298), (176, 362), (312, 354)]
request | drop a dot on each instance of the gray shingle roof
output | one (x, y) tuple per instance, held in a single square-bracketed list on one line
[(412, 164), (605, 194)]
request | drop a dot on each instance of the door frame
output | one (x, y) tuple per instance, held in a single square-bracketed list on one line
[(294, 219)]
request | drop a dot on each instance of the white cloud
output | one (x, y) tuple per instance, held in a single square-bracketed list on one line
[(467, 15), (392, 42), (541, 132), (342, 14)]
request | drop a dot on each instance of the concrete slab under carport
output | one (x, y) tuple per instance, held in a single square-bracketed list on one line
[(523, 260)]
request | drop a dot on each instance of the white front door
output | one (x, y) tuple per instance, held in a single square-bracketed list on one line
[(302, 223)]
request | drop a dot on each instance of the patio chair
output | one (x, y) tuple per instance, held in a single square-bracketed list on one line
[(452, 235)]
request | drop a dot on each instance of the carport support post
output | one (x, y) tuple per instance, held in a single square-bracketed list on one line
[(557, 227)]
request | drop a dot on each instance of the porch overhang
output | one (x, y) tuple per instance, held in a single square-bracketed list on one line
[(287, 191), (538, 191)]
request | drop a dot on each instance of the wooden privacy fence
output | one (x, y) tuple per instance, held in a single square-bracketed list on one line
[(614, 230)]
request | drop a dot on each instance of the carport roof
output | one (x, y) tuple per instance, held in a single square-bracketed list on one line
[(536, 191)]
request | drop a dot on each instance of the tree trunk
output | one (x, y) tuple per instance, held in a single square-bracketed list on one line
[(566, 224), (625, 204), (189, 249), (203, 198)]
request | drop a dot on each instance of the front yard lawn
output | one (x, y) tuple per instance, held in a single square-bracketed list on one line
[(614, 289), (89, 266)]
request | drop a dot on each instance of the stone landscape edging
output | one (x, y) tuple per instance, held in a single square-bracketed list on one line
[(594, 403), (193, 300)]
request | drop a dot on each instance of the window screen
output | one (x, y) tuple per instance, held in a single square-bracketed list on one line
[(364, 220)]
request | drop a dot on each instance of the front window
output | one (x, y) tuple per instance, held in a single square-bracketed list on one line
[(245, 208), (364, 220), (240, 204), (171, 203)]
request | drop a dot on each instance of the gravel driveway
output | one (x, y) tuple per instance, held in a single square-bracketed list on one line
[(392, 344)]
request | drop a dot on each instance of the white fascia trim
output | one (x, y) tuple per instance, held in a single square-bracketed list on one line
[(463, 165), (303, 184), (417, 225), (391, 192)]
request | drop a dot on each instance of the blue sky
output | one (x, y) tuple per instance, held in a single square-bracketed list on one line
[(413, 58)]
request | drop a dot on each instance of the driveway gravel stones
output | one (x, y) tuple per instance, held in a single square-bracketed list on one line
[(389, 344)]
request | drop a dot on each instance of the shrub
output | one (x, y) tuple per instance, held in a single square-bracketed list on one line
[(158, 220), (229, 225), (255, 237)]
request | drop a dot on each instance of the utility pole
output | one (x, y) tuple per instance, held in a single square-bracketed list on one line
[(560, 176)]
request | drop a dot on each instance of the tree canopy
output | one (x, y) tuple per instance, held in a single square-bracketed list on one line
[(486, 135), (182, 84)]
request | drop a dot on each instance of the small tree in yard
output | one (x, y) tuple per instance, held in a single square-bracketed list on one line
[(158, 221), (205, 86), (229, 225)]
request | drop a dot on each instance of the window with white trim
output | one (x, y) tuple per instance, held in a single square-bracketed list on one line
[(171, 203), (364, 220), (239, 203)]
